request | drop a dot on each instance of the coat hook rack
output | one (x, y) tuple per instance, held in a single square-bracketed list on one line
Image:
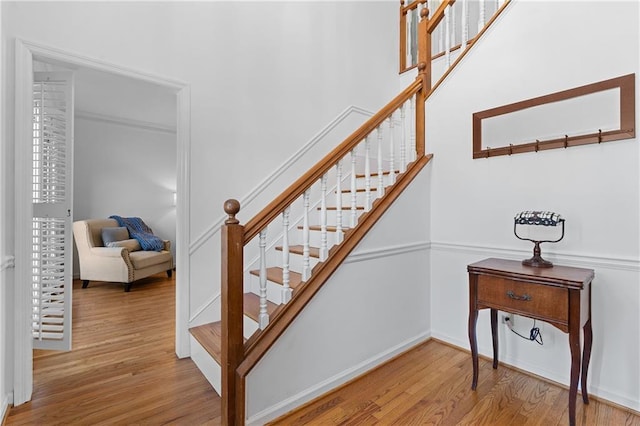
[(623, 129)]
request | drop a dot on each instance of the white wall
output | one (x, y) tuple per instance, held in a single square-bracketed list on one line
[(263, 77), (125, 170), (375, 306), (6, 261), (595, 187)]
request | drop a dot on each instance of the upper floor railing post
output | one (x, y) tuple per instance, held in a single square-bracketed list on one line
[(232, 311), (424, 74)]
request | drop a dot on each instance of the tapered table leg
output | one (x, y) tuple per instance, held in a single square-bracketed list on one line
[(473, 320), (494, 336), (586, 356)]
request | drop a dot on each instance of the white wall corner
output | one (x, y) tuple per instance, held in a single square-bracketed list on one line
[(7, 400)]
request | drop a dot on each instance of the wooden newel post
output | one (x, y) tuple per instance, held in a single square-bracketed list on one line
[(232, 293), (424, 51), (424, 73)]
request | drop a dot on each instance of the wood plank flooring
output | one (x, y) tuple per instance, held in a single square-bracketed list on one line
[(123, 368), (431, 385), (123, 371)]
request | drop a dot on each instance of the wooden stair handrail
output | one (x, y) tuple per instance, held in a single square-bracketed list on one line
[(293, 192)]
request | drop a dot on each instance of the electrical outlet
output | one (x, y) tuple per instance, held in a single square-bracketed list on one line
[(507, 319)]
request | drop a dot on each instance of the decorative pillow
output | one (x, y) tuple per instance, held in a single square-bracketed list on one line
[(131, 244), (111, 234)]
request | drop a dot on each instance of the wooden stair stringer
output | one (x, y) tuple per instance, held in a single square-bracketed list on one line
[(259, 343)]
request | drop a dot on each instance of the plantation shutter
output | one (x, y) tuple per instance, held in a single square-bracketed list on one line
[(51, 194)]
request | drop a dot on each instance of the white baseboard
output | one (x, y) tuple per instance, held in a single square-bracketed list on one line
[(7, 400), (333, 382)]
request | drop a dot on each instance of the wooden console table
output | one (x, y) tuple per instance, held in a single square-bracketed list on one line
[(559, 295)]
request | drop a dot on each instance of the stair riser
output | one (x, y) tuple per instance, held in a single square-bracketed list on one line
[(332, 216), (249, 327), (296, 262), (274, 290), (361, 198)]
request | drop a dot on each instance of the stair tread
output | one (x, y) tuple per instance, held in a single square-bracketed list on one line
[(299, 249), (329, 228), (361, 175), (252, 306), (210, 337), (374, 188), (343, 208), (274, 274)]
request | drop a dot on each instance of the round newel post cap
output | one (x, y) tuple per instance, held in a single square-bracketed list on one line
[(424, 13), (422, 66), (232, 207)]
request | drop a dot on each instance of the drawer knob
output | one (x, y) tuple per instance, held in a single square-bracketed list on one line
[(514, 296)]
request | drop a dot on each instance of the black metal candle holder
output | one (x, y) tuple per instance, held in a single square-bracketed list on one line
[(537, 218)]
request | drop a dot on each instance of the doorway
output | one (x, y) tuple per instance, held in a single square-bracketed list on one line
[(26, 54)]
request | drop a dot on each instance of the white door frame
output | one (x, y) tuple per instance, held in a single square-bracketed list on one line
[(26, 52)]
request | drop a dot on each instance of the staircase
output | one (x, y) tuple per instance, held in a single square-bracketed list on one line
[(274, 264)]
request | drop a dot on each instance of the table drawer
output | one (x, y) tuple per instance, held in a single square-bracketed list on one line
[(539, 300)]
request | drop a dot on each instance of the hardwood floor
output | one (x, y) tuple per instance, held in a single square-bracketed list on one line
[(123, 368), (431, 385), (123, 371)]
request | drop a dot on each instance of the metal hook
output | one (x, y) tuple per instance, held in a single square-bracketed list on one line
[(537, 145), (510, 148), (566, 140), (599, 135), (488, 151)]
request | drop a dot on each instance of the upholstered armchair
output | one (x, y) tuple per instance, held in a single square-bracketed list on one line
[(119, 260)]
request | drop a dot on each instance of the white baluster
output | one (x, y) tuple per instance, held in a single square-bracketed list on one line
[(447, 37), (403, 139), (392, 148), (286, 288), (354, 194), (497, 5), (412, 137), (380, 169), (263, 316), (306, 266), (324, 249), (453, 24), (367, 172), (465, 25), (339, 231), (481, 17), (440, 37)]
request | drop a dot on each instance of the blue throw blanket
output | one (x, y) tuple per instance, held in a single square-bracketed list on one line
[(141, 232)]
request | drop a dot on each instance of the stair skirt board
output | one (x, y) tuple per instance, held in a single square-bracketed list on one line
[(206, 364), (333, 382)]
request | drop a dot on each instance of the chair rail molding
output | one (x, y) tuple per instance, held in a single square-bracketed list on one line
[(572, 259)]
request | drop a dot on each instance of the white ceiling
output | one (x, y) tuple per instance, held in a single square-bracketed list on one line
[(114, 96)]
